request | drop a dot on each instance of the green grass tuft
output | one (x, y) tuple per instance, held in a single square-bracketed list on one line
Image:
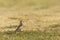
[(30, 35)]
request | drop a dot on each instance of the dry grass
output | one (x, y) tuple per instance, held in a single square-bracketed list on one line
[(40, 16), (36, 14)]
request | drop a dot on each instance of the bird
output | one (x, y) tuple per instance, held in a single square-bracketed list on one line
[(19, 26)]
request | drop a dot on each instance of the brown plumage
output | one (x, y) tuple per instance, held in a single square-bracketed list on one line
[(19, 26)]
